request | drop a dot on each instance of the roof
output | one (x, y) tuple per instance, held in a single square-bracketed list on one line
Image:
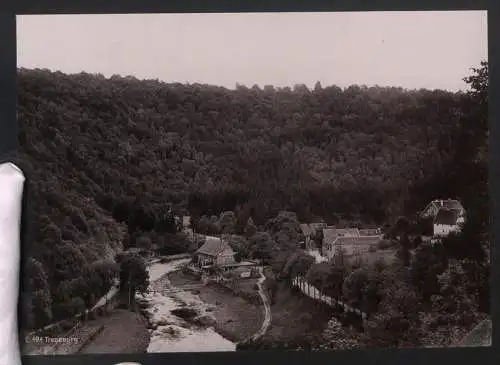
[(450, 204), (358, 241), (308, 229), (329, 235), (346, 240), (446, 217), (369, 232), (348, 232), (315, 226), (213, 246)]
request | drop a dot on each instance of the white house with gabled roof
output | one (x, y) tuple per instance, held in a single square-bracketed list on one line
[(448, 216)]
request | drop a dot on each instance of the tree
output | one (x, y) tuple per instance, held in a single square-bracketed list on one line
[(70, 308), (403, 252), (214, 225), (105, 273), (204, 225), (170, 225), (68, 261), (471, 156), (227, 222), (239, 244), (38, 308), (318, 237), (354, 287), (397, 325), (318, 274), (425, 226), (328, 277), (417, 241), (402, 226), (285, 229), (478, 83), (237, 257), (456, 303), (262, 246), (429, 262), (250, 228), (372, 293), (300, 265), (144, 242), (134, 277)]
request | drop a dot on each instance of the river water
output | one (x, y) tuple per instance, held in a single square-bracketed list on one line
[(172, 333)]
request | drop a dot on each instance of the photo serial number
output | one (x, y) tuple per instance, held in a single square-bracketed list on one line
[(50, 340)]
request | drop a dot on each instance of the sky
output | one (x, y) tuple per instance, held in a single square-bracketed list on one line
[(413, 50)]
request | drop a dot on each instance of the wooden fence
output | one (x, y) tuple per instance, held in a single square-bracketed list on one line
[(313, 293)]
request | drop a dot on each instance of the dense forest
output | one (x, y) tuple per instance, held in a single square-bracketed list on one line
[(111, 159)]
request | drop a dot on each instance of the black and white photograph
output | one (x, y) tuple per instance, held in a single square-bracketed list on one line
[(212, 182)]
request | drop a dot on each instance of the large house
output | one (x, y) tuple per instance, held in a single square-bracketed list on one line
[(447, 216), (214, 252), (351, 240)]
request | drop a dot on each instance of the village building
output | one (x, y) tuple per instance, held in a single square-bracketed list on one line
[(447, 215), (214, 252), (350, 240)]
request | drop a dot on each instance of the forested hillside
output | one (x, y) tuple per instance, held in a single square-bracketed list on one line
[(109, 157)]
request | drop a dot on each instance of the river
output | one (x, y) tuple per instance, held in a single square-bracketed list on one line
[(172, 333)]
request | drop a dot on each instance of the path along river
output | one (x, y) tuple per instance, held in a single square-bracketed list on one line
[(172, 333)]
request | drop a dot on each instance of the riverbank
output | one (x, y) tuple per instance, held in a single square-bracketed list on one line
[(124, 332), (235, 318)]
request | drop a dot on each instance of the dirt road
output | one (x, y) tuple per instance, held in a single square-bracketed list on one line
[(267, 308)]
